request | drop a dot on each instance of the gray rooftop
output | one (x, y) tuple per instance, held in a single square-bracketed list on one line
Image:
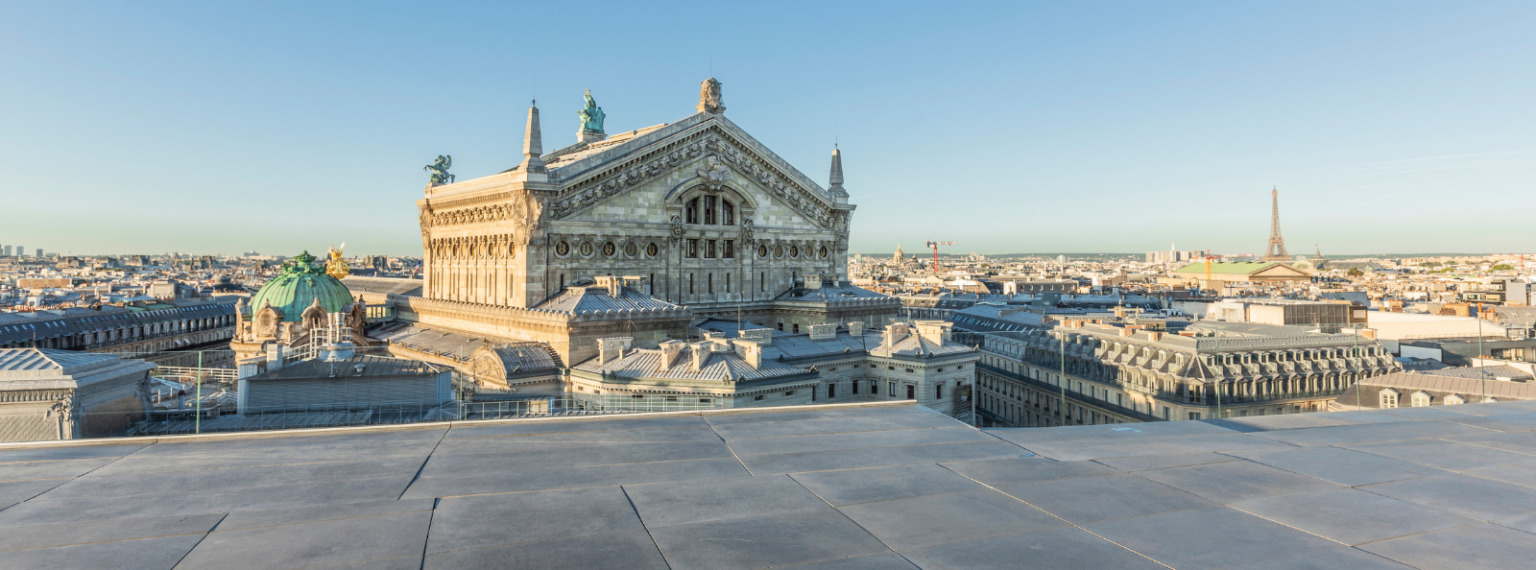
[(872, 486)]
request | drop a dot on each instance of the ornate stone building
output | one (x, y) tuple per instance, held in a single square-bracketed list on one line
[(637, 234), (292, 308)]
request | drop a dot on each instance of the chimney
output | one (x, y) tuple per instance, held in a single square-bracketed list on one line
[(1367, 333), (856, 329), (614, 285), (669, 351), (1154, 335), (752, 353), (824, 331), (700, 353), (610, 349), (893, 332), (934, 331), (274, 357), (759, 336), (812, 281)]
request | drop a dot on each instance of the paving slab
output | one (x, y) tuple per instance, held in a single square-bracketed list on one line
[(1448, 455), (481, 445), (49, 535), (28, 470), (617, 551), (1115, 432), (1520, 442), (233, 497), (929, 520), (853, 486), (997, 472), (145, 554), (354, 540), (1236, 481), (1145, 462), (1067, 547), (1339, 465), (1472, 546), (1503, 423), (273, 517), (1332, 557), (886, 561), (827, 442), (106, 482), (1371, 433), (826, 421), (1091, 499), (1351, 516), (1465, 495), (1222, 537), (775, 540), (603, 426), (18, 491), (876, 457), (68, 452), (1523, 474), (1081, 450), (482, 481), (513, 518), (671, 504)]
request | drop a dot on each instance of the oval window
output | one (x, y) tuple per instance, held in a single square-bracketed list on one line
[(631, 249), (562, 249), (794, 251), (652, 250), (586, 248), (778, 251), (823, 252), (762, 251), (609, 249)]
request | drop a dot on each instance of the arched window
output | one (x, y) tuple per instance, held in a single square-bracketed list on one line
[(709, 210)]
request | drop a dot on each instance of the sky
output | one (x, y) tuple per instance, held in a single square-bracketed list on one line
[(221, 127)]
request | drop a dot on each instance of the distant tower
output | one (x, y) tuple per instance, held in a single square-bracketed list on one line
[(898, 258), (1276, 250)]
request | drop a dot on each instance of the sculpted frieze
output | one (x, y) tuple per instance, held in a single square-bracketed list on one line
[(718, 150)]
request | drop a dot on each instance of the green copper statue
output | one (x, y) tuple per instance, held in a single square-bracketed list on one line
[(591, 116), (439, 169)]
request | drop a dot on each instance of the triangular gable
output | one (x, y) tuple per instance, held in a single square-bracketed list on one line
[(1280, 270), (592, 179)]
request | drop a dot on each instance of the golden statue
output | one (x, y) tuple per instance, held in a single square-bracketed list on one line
[(334, 265)]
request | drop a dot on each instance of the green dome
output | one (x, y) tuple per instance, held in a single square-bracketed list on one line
[(301, 283)]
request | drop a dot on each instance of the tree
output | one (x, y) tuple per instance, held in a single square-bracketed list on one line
[(1503, 267), (1354, 272)]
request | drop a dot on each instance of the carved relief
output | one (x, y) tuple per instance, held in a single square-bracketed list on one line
[(806, 201)]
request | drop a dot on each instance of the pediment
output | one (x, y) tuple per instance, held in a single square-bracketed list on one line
[(1280, 270), (682, 147)]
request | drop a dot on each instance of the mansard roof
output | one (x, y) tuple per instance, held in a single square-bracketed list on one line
[(597, 299)]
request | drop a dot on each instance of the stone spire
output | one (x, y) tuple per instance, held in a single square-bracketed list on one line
[(835, 180), (533, 142)]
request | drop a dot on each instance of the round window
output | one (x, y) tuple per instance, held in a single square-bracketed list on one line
[(794, 251), (586, 248), (823, 252), (609, 249), (562, 248), (762, 251), (631, 249), (652, 250)]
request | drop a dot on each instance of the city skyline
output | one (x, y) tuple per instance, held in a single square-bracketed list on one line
[(1370, 122)]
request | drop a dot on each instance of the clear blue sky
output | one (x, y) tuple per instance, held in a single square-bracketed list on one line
[(207, 127)]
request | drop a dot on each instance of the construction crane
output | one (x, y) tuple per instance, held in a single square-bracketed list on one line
[(935, 245)]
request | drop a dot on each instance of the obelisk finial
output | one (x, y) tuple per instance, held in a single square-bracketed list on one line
[(533, 142)]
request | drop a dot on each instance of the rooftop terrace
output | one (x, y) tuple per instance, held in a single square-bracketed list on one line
[(851, 486)]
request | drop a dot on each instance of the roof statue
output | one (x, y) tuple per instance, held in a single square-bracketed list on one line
[(591, 116), (439, 169), (709, 97), (335, 266)]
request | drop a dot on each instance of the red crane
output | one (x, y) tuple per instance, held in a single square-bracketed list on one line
[(935, 245)]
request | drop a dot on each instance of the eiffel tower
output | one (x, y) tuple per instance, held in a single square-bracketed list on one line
[(1276, 250)]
